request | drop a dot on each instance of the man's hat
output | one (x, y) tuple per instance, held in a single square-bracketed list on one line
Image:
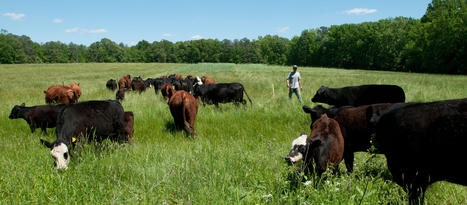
[(294, 66)]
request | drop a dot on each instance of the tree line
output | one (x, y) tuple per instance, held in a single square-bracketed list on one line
[(436, 43)]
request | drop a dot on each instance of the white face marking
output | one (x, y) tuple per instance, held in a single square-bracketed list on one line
[(299, 141), (199, 82), (296, 158), (58, 153)]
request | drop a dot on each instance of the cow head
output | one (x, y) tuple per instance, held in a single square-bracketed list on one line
[(15, 111), (197, 81), (315, 112), (320, 94), (59, 152), (300, 148)]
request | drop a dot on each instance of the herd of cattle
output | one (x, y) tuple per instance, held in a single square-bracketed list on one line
[(421, 141)]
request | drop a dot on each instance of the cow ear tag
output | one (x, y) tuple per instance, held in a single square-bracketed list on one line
[(73, 139)]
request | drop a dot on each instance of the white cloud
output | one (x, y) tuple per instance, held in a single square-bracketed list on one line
[(58, 20), (283, 29), (359, 11), (14, 16), (168, 34), (95, 31), (196, 37), (72, 30), (76, 29)]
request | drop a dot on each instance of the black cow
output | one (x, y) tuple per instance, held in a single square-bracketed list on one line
[(41, 116), (111, 84), (359, 95), (354, 125), (424, 143), (95, 119), (158, 82), (221, 93)]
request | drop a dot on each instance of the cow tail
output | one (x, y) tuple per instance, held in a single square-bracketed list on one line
[(247, 95), (186, 124)]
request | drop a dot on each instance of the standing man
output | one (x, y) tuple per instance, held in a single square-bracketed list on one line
[(294, 84)]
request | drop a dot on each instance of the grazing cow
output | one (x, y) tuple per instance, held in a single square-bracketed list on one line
[(353, 122), (124, 82), (158, 82), (183, 107), (138, 85), (41, 116), (325, 145), (148, 82), (166, 87), (207, 80), (186, 84), (60, 94), (221, 93), (95, 119), (120, 95), (359, 95), (129, 121), (423, 143), (111, 84)]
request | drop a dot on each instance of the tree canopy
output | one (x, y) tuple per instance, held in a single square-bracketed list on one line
[(434, 44)]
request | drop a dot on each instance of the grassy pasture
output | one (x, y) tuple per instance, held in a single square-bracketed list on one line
[(237, 157)]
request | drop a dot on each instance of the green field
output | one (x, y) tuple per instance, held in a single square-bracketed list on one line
[(236, 158)]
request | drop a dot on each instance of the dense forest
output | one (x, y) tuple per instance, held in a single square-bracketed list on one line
[(436, 43)]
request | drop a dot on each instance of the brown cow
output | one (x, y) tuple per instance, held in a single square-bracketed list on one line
[(166, 87), (124, 82), (129, 121), (178, 76), (138, 85), (60, 94), (76, 89), (207, 80), (354, 125), (325, 145), (183, 107)]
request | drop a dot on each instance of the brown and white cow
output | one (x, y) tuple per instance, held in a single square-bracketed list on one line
[(325, 145), (183, 107)]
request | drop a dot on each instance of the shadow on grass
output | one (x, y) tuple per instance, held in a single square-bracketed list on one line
[(170, 127)]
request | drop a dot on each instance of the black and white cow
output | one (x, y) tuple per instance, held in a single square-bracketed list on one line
[(95, 119), (359, 95), (221, 93), (40, 116), (423, 143)]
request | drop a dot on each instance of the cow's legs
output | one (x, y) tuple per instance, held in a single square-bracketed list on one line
[(348, 158)]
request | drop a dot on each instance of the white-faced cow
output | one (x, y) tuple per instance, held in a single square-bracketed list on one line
[(354, 125), (324, 146), (424, 143), (96, 120), (359, 95)]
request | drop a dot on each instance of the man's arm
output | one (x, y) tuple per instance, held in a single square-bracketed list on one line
[(300, 84), (288, 86)]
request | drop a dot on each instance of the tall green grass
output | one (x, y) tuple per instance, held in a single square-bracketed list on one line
[(236, 158)]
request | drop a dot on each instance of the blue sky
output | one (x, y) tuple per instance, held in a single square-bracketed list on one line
[(88, 21)]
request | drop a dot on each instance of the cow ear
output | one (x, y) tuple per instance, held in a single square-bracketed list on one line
[(22, 105), (303, 132), (47, 144)]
